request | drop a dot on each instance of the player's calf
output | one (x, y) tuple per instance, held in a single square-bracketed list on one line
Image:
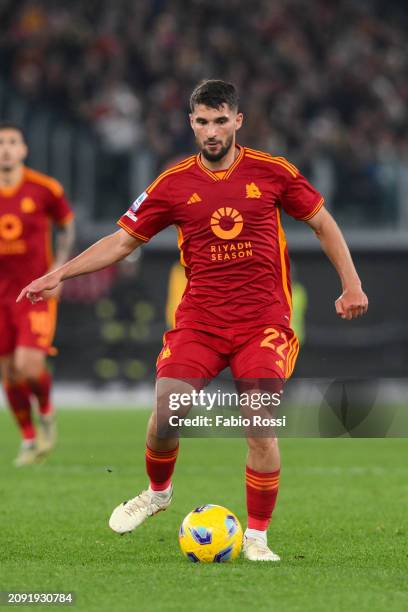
[(262, 484), (18, 396), (159, 467)]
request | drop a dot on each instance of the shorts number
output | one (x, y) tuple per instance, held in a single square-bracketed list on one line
[(40, 323), (271, 335), (41, 326)]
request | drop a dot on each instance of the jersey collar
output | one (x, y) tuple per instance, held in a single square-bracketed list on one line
[(214, 175)]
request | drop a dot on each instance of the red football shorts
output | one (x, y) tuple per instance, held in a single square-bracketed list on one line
[(268, 352), (26, 324)]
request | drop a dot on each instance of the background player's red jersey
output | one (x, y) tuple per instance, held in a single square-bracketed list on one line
[(230, 235), (26, 213)]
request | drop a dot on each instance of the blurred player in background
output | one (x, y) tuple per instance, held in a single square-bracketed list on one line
[(30, 202), (237, 305)]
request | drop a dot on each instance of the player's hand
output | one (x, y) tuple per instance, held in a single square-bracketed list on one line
[(40, 288), (53, 293), (352, 303)]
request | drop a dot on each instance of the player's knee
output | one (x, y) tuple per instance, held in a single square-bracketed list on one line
[(152, 423), (263, 446), (169, 394), (28, 369), (20, 370), (162, 400), (9, 374)]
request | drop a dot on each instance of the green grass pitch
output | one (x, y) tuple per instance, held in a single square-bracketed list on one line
[(340, 523)]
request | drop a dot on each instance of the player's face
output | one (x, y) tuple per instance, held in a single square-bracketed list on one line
[(214, 129), (13, 149)]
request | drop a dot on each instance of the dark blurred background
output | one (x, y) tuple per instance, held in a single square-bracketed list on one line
[(101, 89)]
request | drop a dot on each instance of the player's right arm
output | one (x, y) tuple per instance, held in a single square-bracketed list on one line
[(154, 213), (102, 254)]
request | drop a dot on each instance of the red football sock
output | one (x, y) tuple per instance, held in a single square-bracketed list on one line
[(160, 466), (18, 395), (261, 493), (41, 388)]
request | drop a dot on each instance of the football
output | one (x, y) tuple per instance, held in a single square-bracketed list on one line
[(210, 534)]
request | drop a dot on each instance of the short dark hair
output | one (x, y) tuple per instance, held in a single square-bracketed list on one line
[(11, 125), (214, 93)]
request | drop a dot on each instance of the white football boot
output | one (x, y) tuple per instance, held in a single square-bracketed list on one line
[(47, 434), (27, 455), (256, 549), (130, 514)]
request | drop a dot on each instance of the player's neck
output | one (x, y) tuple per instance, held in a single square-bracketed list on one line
[(11, 178), (222, 164)]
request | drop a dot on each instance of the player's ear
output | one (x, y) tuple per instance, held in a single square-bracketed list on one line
[(239, 120), (191, 120)]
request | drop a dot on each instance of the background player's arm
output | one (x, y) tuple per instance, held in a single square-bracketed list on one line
[(353, 301), (102, 254), (64, 243)]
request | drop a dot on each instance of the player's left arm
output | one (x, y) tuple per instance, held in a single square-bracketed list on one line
[(353, 301)]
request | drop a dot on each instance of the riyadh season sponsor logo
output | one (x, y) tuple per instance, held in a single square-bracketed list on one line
[(226, 223)]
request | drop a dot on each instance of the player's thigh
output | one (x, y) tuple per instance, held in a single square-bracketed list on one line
[(264, 360), (29, 362), (191, 355), (7, 332), (268, 352), (188, 360), (35, 324)]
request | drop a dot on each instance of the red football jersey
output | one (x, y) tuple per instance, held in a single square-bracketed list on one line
[(26, 213), (231, 240)]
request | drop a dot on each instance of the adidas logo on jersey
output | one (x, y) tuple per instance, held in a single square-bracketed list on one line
[(194, 198)]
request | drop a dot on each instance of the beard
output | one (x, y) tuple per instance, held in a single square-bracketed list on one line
[(214, 157), (6, 166)]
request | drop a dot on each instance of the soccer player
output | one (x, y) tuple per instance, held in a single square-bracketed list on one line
[(236, 309), (29, 203)]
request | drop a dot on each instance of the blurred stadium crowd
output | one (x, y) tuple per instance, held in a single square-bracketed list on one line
[(320, 80)]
